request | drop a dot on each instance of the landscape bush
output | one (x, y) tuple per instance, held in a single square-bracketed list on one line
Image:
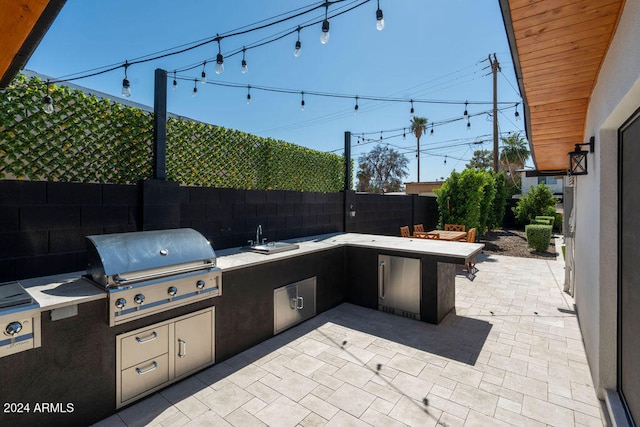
[(538, 201), (539, 220), (551, 219), (475, 198), (538, 236)]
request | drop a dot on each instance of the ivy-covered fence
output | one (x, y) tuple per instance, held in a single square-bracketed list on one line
[(87, 139)]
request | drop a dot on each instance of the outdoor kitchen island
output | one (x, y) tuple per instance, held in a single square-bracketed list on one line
[(74, 369)]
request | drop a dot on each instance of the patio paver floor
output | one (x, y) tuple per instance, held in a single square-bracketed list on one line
[(510, 354)]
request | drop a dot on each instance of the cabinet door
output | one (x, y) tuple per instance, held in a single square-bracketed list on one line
[(285, 305), (307, 298), (193, 343)]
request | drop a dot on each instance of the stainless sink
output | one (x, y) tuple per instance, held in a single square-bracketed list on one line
[(272, 247)]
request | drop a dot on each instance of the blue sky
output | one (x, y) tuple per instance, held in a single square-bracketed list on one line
[(429, 50)]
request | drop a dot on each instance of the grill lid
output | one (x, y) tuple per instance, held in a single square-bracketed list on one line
[(113, 257)]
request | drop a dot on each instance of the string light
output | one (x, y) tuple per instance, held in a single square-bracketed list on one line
[(302, 101), (219, 58), (466, 113), (175, 82), (355, 109), (380, 136), (248, 94), (126, 86), (195, 88), (324, 36), (298, 49), (203, 75), (48, 102), (244, 62), (404, 133), (431, 133), (445, 159), (468, 124), (379, 18), (517, 114), (412, 110)]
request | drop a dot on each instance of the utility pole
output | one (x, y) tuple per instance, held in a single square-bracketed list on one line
[(495, 67)]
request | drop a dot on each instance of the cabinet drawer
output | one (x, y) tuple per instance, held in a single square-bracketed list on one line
[(143, 345), (144, 376)]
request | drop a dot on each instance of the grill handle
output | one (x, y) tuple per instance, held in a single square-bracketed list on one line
[(119, 279)]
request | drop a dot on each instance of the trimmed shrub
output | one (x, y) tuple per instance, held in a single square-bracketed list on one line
[(551, 219), (539, 220), (538, 236)]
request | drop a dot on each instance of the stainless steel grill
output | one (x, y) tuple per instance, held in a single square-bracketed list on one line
[(152, 271)]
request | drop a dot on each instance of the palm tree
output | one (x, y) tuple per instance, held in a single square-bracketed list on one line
[(418, 127), (514, 154)]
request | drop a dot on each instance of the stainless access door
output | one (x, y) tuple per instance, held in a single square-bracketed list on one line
[(293, 304), (399, 285)]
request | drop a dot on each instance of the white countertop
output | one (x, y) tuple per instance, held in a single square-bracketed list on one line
[(234, 258), (71, 288)]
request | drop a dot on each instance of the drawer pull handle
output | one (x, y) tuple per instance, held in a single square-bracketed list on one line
[(301, 305), (182, 349), (153, 366), (151, 337)]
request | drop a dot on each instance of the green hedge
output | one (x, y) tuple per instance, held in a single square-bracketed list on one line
[(88, 139), (475, 198), (541, 221), (551, 219), (538, 236)]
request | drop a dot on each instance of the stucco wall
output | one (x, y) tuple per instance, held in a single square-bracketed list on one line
[(615, 98)]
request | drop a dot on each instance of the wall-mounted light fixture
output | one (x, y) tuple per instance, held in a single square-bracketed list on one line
[(578, 158), (352, 211)]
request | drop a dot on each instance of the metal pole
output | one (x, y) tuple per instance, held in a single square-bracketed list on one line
[(160, 126), (347, 160), (347, 177), (495, 67)]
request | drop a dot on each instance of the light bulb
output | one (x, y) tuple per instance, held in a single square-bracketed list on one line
[(248, 98), (203, 78), (126, 87), (244, 67), (219, 64), (324, 36), (298, 49), (175, 84), (195, 91), (517, 116), (379, 20), (468, 126), (48, 105), (302, 105)]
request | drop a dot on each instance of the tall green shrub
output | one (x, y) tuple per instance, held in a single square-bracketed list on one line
[(538, 201), (468, 198)]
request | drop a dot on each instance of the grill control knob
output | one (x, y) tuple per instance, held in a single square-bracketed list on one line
[(138, 299), (120, 303), (200, 284), (172, 291), (13, 328)]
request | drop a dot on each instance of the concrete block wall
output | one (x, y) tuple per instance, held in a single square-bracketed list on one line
[(43, 224)]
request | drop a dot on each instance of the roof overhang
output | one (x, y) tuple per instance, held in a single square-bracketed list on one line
[(558, 48), (23, 23)]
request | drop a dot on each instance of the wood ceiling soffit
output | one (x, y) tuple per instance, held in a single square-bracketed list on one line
[(17, 20)]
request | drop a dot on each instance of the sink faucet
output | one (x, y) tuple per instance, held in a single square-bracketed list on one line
[(258, 234)]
